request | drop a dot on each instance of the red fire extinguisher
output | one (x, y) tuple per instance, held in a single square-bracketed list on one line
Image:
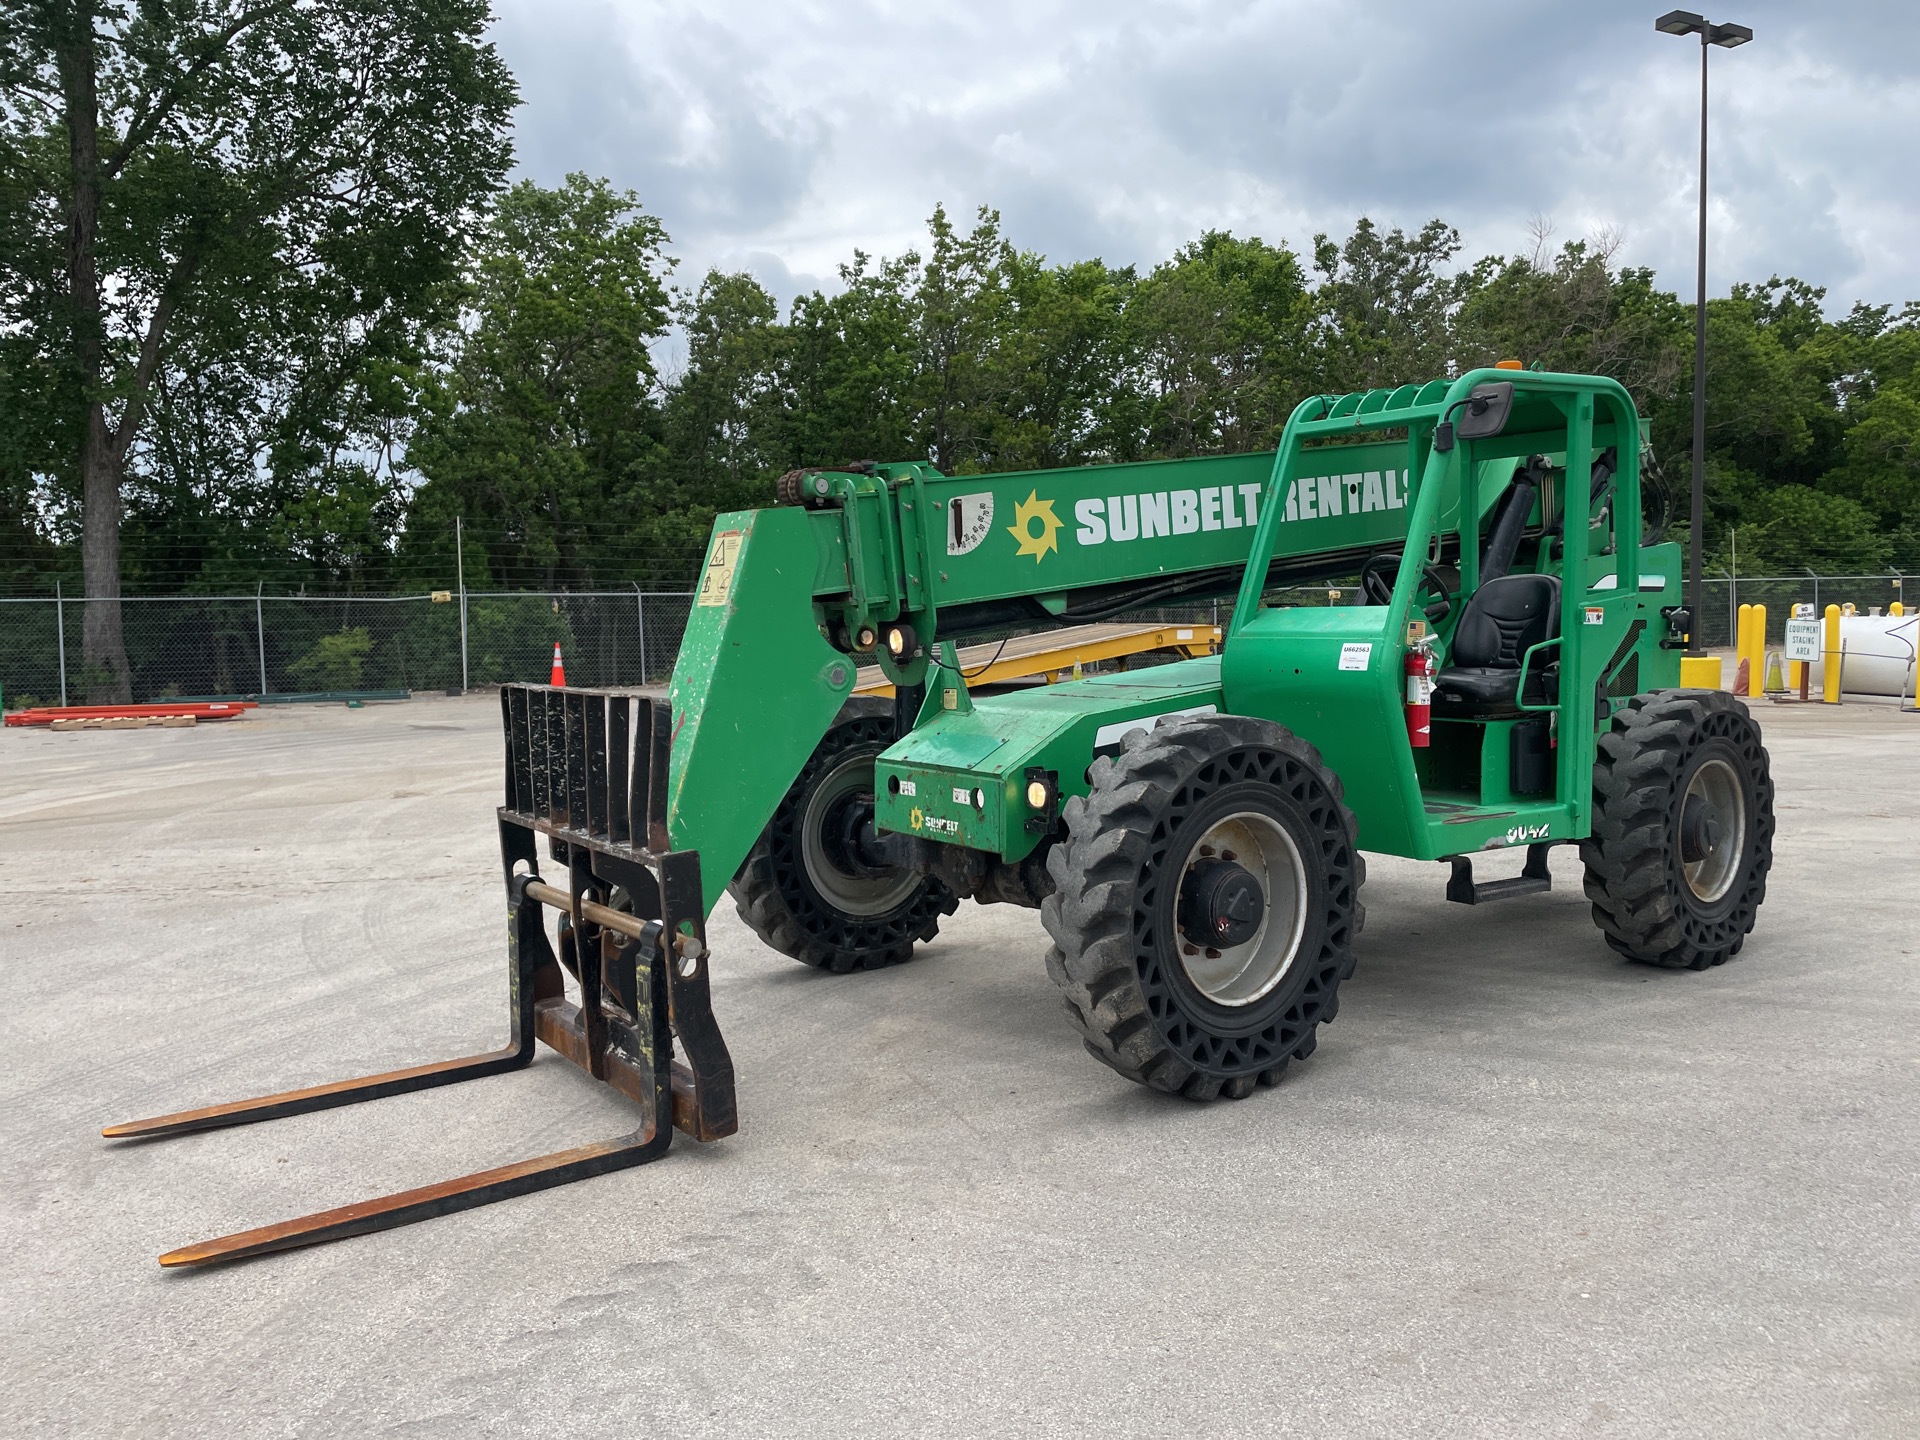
[(1420, 668)]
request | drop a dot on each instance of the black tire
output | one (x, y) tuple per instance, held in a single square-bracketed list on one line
[(826, 916), (1121, 958), (1667, 753)]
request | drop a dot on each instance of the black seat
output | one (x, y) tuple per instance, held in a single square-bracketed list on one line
[(1510, 515), (1504, 619)]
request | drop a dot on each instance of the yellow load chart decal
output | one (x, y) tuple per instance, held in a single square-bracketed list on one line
[(717, 583)]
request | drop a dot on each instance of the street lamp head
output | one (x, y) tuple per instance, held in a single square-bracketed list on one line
[(1686, 22)]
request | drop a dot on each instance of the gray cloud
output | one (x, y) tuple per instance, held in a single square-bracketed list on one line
[(778, 137)]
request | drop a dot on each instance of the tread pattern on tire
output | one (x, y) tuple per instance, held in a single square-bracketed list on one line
[(1633, 877), (773, 897), (1104, 970)]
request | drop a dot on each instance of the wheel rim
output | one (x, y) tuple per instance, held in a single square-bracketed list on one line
[(1241, 974), (1713, 830), (845, 889)]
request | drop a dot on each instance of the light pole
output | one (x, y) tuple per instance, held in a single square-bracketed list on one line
[(1685, 22)]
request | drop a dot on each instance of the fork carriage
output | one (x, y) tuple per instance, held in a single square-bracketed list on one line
[(588, 770)]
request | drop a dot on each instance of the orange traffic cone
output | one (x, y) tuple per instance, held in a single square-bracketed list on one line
[(1742, 679), (559, 670)]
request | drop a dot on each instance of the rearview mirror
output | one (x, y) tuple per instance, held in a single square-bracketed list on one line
[(1485, 413)]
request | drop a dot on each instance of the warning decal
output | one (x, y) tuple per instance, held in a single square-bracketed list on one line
[(716, 582)]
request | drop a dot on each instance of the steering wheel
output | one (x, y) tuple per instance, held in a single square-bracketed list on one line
[(1376, 583)]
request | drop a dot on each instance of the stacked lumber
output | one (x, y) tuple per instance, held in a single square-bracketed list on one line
[(178, 713)]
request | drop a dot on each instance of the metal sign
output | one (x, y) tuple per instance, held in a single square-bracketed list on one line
[(1803, 640)]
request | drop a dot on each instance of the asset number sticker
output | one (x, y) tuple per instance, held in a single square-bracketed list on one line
[(1356, 655), (716, 583)]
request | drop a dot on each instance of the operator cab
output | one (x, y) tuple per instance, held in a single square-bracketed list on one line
[(1496, 696), (1522, 574), (1506, 617)]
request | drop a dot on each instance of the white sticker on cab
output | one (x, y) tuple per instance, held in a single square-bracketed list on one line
[(1356, 655)]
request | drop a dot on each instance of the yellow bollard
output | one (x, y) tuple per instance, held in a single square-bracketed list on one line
[(1896, 608), (1700, 672), (1757, 647), (1830, 658)]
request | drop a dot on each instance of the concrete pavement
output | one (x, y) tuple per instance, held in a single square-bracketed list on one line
[(1523, 1189)]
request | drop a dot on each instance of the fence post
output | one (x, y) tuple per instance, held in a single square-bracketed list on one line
[(60, 637), (260, 632), (640, 609), (460, 572)]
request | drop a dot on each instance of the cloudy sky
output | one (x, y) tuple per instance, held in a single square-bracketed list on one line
[(778, 135)]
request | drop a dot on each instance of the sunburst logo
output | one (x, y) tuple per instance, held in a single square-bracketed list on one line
[(1024, 514), (917, 818)]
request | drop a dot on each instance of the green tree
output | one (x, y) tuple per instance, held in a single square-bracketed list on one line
[(222, 186), (1387, 304), (1881, 443), (335, 662), (540, 420), (1795, 528), (1574, 310), (963, 313), (852, 366), (1224, 337), (1065, 357), (1771, 407), (724, 422)]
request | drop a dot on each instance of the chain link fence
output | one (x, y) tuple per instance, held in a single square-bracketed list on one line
[(1721, 598), (205, 645)]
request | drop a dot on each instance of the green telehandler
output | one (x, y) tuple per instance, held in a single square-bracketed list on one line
[(1192, 832)]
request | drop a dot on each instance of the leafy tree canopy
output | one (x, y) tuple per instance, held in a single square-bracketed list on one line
[(532, 406), (224, 226)]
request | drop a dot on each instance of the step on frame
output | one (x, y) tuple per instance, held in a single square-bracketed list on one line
[(588, 770), (1533, 879)]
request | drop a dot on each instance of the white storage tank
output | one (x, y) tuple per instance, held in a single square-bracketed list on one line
[(1877, 654)]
